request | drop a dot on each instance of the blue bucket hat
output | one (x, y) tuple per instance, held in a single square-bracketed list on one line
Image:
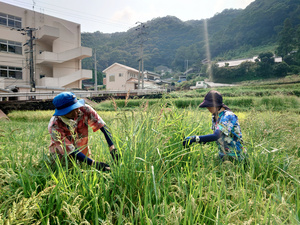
[(65, 102)]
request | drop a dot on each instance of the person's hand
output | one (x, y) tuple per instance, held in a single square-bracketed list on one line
[(114, 154), (101, 166), (190, 140)]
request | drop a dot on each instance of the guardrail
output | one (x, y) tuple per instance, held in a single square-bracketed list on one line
[(79, 94)]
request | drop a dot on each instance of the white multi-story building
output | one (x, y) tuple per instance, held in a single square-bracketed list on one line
[(55, 63)]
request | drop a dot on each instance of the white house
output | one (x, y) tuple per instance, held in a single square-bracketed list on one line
[(237, 62), (151, 75), (123, 78)]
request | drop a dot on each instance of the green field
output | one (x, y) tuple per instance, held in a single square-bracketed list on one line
[(158, 181)]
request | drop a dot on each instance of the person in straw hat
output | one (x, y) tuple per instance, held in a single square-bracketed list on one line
[(68, 129), (226, 129)]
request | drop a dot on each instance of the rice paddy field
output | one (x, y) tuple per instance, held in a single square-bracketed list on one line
[(157, 180)]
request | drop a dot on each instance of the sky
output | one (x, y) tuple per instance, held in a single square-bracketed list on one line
[(110, 16)]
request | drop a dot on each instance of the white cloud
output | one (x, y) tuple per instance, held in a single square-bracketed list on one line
[(129, 15), (119, 15), (125, 15)]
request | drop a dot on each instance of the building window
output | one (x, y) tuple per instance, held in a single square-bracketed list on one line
[(11, 46), (11, 72), (111, 78), (10, 21), (120, 74)]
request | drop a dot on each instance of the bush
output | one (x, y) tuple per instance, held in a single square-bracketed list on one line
[(281, 69), (295, 69)]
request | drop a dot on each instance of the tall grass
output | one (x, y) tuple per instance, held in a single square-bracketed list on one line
[(157, 180), (240, 103)]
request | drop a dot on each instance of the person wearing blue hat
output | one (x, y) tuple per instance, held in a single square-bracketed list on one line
[(68, 129), (226, 127)]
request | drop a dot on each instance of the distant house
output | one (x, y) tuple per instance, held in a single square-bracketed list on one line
[(182, 78), (151, 75), (123, 78), (120, 77), (232, 63), (163, 70)]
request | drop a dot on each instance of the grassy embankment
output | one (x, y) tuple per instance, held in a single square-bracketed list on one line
[(263, 96), (157, 180)]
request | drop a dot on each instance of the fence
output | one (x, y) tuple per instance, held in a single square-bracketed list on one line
[(79, 94)]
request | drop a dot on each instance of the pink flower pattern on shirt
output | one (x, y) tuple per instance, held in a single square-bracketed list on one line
[(67, 138)]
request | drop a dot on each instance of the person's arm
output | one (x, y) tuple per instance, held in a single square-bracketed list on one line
[(202, 139), (113, 151), (210, 137), (77, 155), (96, 123), (107, 135)]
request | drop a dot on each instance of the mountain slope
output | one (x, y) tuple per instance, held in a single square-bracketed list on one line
[(257, 25), (171, 42)]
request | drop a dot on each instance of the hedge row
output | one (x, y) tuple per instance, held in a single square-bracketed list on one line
[(244, 103)]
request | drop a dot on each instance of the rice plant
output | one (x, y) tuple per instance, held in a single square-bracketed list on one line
[(157, 180)]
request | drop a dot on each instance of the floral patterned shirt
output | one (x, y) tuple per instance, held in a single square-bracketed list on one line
[(230, 142), (67, 137)]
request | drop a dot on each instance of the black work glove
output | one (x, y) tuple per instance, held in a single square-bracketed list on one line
[(190, 140), (114, 154), (101, 166)]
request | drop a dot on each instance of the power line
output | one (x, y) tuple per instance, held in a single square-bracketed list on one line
[(75, 14)]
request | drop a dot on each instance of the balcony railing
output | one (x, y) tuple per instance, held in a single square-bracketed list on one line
[(52, 57), (65, 80), (47, 33)]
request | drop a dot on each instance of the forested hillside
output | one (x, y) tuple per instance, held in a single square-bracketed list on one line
[(257, 25), (171, 42)]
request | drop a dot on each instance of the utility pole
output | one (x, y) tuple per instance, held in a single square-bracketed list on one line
[(96, 82), (141, 35), (31, 65), (187, 65), (139, 77), (186, 68), (29, 32), (143, 77)]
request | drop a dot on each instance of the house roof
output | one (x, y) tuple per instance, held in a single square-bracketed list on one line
[(135, 80), (120, 65), (152, 73), (132, 80)]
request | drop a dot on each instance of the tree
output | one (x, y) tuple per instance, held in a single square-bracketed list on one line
[(297, 55), (286, 41), (281, 69), (100, 76), (266, 57), (265, 65)]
